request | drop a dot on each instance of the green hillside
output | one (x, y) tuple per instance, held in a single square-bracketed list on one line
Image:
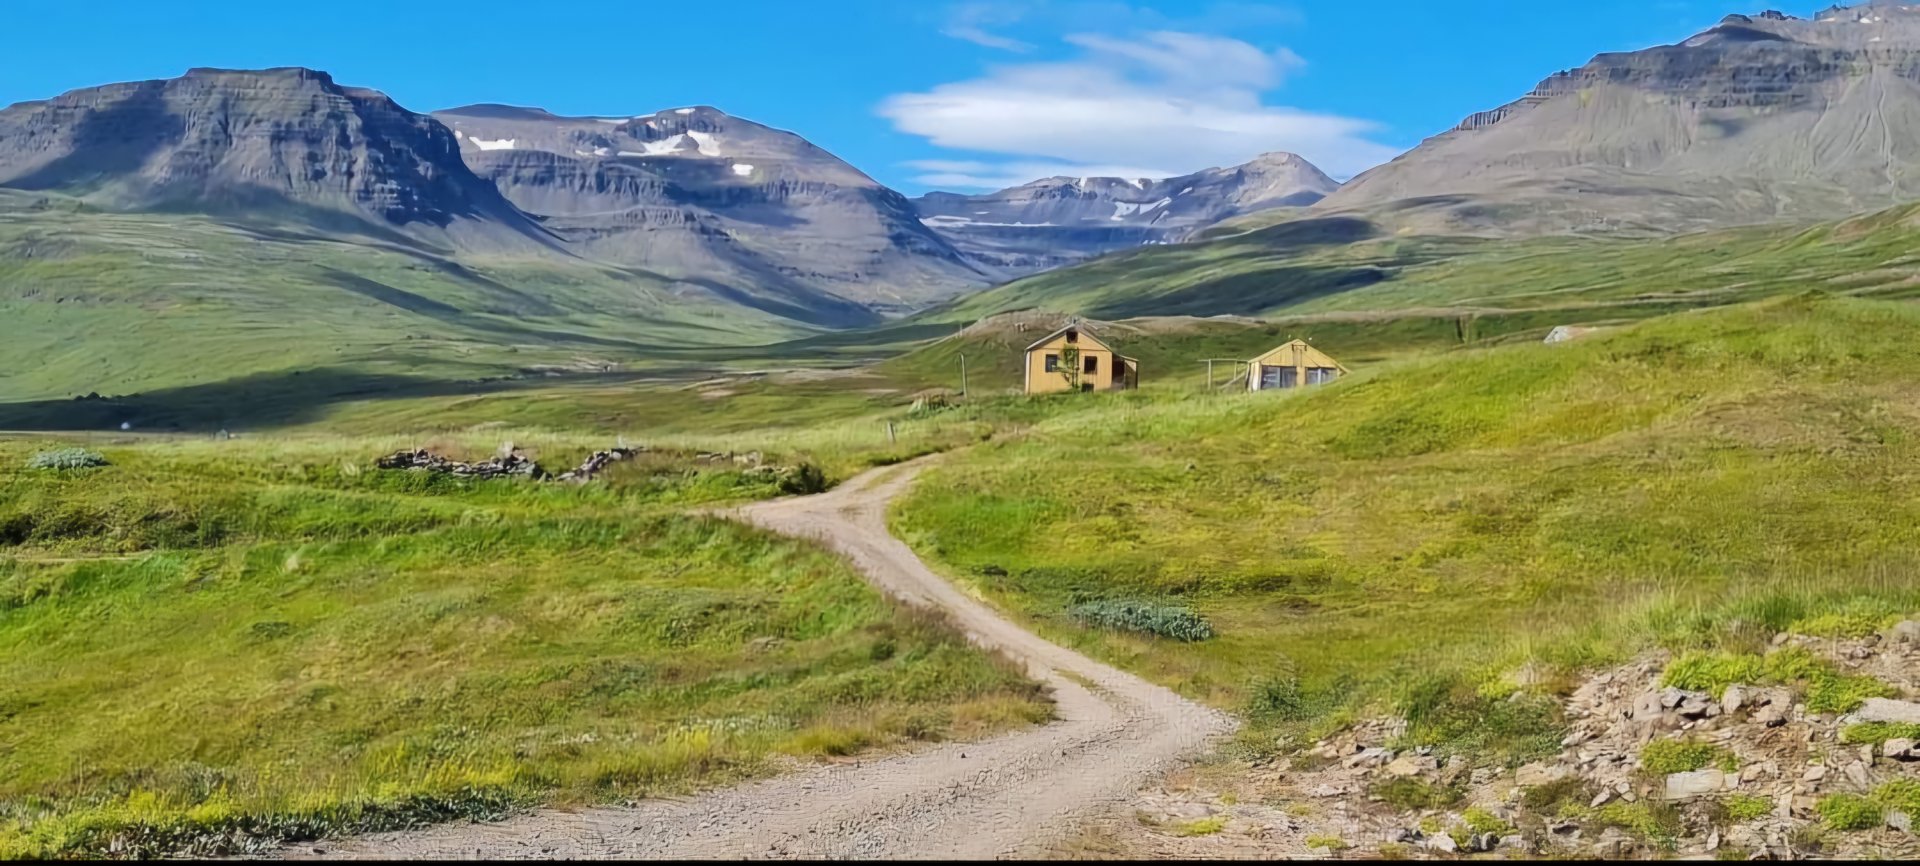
[(1430, 525), (1344, 265), (120, 304)]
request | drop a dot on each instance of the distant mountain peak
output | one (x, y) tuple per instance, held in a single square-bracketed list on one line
[(1062, 219), (287, 140)]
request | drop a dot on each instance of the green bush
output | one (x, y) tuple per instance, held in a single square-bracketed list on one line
[(1455, 719), (1481, 821), (1879, 732), (1412, 794), (1747, 807), (1826, 689), (1146, 617), (1649, 820), (805, 479), (1683, 756), (1901, 795), (1849, 812), (63, 459)]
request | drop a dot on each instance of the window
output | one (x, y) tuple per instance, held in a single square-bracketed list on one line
[(1073, 336), (1321, 375), (1053, 363), (1091, 365), (1279, 377)]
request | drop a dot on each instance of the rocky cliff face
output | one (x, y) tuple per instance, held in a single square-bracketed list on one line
[(289, 142), (1061, 220), (1761, 118), (698, 194)]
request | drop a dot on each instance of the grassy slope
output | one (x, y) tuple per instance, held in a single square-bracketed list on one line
[(1329, 265), (121, 304), (1435, 523), (192, 643)]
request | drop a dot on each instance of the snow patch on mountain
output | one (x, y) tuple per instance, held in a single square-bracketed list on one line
[(705, 142)]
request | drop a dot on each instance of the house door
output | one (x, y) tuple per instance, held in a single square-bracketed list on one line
[(1278, 377)]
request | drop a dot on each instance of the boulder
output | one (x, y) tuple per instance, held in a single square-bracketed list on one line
[(1733, 699), (1900, 748), (1699, 783), (1905, 632), (1443, 843), (1884, 710), (1412, 765), (1369, 757), (1537, 774), (1899, 820)]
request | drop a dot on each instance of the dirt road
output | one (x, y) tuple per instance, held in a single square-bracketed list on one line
[(1003, 797)]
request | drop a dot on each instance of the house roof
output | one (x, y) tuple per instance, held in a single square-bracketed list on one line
[(1070, 326), (1296, 344)]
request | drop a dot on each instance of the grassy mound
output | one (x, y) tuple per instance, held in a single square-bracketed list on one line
[(1429, 535)]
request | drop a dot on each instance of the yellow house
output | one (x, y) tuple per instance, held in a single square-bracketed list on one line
[(1097, 366), (1293, 365)]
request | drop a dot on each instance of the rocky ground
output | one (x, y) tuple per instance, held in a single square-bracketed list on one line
[(1779, 781)]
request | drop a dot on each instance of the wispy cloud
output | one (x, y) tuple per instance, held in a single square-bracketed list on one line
[(970, 22), (1157, 104)]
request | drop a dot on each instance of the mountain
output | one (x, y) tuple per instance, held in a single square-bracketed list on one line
[(697, 194), (287, 142), (1061, 220), (1762, 118)]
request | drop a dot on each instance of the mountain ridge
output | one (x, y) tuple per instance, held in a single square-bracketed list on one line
[(1061, 220), (1760, 118)]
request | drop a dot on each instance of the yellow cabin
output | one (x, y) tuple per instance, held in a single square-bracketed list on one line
[(1095, 365), (1293, 365)]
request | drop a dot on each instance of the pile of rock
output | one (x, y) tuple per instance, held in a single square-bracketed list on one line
[(512, 465), (1771, 755), (599, 461)]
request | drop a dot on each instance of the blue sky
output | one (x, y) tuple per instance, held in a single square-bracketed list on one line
[(976, 93)]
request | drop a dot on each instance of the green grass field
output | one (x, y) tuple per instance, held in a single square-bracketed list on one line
[(1430, 533), (207, 642), (121, 304)]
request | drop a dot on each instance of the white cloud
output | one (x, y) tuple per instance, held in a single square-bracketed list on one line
[(1164, 103), (969, 22)]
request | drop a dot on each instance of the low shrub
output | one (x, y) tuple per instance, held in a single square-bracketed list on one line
[(1879, 732), (64, 459), (1331, 843), (1648, 820), (1684, 756), (1902, 795), (1825, 688), (1413, 794), (1481, 821), (804, 480), (1201, 827), (1550, 796), (1455, 719), (1164, 620), (1747, 807), (1849, 812)]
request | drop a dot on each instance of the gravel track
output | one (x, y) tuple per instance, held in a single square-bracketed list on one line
[(1009, 796)]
